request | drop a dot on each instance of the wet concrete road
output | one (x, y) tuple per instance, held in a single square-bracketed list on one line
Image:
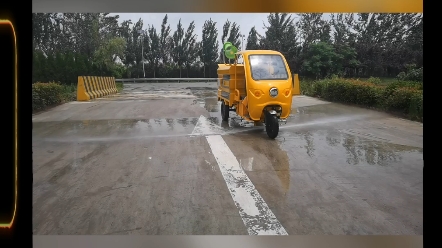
[(156, 159)]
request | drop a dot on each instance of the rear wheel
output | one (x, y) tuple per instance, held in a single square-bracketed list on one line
[(272, 125), (225, 110)]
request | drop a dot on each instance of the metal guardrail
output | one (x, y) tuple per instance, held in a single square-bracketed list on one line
[(157, 80)]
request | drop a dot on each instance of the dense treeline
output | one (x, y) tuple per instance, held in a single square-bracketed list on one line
[(347, 45)]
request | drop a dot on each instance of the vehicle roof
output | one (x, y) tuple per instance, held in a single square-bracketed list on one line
[(249, 52)]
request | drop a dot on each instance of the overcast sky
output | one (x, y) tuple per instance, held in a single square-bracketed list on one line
[(245, 20)]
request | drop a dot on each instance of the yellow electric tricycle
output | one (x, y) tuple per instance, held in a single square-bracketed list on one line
[(259, 88)]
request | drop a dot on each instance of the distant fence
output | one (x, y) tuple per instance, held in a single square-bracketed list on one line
[(162, 80), (90, 87)]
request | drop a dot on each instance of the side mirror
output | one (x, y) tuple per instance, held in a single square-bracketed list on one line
[(296, 90), (293, 81)]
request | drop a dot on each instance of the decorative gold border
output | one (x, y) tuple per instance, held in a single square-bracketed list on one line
[(9, 225)]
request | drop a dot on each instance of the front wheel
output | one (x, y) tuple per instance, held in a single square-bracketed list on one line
[(272, 125)]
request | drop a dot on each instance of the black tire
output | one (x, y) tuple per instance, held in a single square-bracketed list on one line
[(225, 110), (272, 125)]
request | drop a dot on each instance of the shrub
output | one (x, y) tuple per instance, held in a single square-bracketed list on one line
[(69, 93), (45, 94), (347, 91), (374, 80), (49, 94), (306, 86), (317, 88), (405, 100), (392, 89), (406, 84), (416, 109), (412, 74), (402, 96), (402, 75)]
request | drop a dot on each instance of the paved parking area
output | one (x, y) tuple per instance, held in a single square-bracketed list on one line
[(156, 159)]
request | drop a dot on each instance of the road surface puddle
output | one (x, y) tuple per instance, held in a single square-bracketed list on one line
[(246, 164), (348, 149)]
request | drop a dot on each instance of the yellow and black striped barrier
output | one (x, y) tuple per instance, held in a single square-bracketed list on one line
[(91, 87)]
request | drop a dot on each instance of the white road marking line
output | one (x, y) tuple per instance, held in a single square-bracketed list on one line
[(256, 215), (205, 127)]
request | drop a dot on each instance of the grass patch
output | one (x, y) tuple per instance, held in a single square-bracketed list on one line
[(120, 86)]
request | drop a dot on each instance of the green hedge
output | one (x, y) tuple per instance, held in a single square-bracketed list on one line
[(50, 94), (403, 97), (45, 95)]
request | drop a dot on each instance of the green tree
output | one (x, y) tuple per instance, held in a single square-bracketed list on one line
[(190, 48), (366, 44), (342, 24), (414, 42), (230, 34), (209, 45), (165, 41), (105, 57), (252, 40), (312, 29), (42, 30), (154, 52), (178, 46), (226, 28), (129, 53), (280, 35), (379, 42), (321, 60)]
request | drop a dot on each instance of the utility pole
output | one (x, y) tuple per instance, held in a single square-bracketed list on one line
[(141, 32), (204, 57)]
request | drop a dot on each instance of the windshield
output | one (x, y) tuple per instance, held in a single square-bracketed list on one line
[(268, 67)]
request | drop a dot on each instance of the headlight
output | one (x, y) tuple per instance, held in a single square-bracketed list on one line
[(273, 92)]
